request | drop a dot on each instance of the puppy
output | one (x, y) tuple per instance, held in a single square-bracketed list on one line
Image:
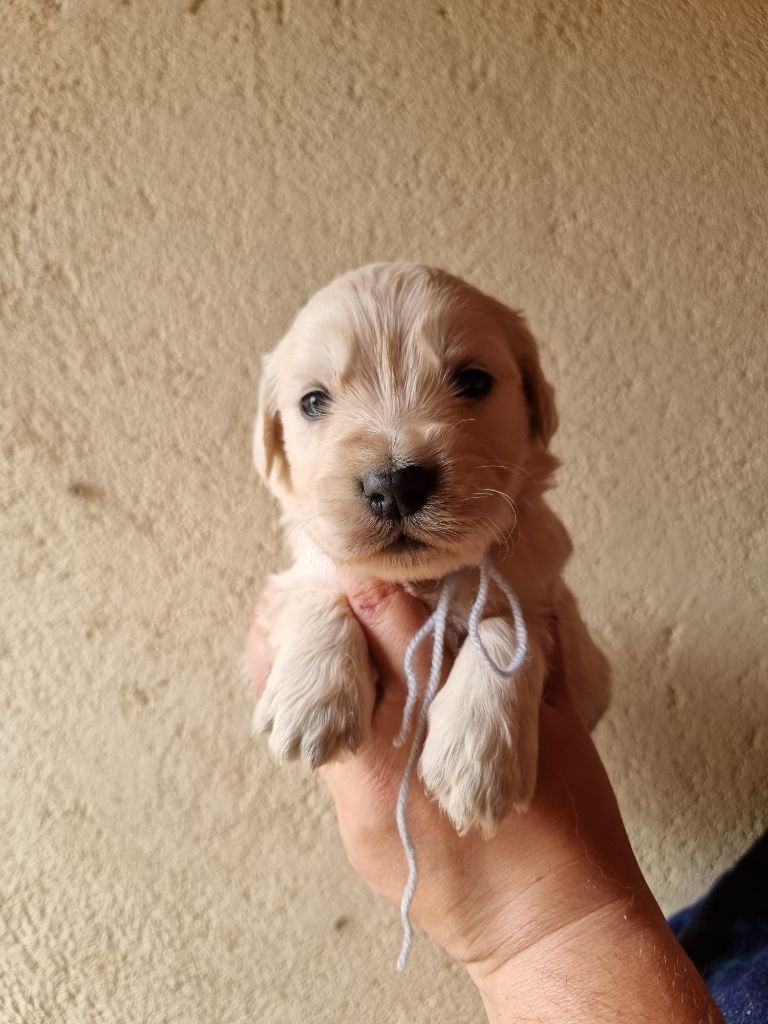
[(404, 425)]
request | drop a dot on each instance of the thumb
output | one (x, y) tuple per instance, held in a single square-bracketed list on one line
[(390, 618)]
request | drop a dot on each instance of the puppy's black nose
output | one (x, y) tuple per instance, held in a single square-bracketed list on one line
[(398, 493)]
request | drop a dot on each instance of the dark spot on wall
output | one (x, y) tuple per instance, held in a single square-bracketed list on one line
[(277, 9), (83, 490), (140, 696)]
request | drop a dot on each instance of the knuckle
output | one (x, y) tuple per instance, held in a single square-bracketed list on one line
[(371, 599)]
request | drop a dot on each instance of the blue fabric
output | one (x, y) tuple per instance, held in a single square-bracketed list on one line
[(726, 936)]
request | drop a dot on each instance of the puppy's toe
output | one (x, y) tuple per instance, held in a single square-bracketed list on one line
[(284, 740), (478, 767), (263, 716), (332, 731), (468, 792), (318, 731)]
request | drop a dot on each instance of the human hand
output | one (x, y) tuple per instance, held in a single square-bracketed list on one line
[(556, 883)]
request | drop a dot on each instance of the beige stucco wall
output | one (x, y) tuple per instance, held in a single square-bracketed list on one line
[(176, 177)]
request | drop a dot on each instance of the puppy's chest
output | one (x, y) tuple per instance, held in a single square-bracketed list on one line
[(457, 622)]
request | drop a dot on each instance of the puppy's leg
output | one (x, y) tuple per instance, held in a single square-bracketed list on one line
[(319, 695), (480, 755)]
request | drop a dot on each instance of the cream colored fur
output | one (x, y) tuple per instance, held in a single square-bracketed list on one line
[(384, 342)]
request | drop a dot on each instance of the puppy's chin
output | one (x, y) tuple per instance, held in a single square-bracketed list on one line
[(408, 563)]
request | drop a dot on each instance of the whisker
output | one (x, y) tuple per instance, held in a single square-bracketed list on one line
[(505, 465)]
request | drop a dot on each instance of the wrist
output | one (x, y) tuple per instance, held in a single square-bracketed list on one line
[(619, 960)]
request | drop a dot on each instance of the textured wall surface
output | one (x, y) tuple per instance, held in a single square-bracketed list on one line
[(175, 179)]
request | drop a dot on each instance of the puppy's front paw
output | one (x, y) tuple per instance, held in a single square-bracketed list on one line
[(478, 762), (317, 709)]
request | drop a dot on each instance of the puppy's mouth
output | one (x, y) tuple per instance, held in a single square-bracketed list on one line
[(403, 544)]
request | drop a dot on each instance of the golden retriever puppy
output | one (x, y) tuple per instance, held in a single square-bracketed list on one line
[(404, 426)]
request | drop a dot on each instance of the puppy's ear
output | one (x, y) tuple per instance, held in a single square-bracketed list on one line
[(268, 446), (539, 394)]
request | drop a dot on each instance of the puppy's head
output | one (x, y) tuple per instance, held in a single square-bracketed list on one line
[(400, 417)]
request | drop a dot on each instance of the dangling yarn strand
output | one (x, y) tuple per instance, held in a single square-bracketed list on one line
[(436, 625)]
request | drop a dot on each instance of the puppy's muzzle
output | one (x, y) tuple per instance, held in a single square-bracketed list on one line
[(398, 493)]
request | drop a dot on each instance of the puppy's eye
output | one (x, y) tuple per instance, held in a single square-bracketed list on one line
[(314, 404), (471, 383)]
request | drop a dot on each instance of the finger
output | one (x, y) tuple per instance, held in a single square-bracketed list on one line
[(390, 618)]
